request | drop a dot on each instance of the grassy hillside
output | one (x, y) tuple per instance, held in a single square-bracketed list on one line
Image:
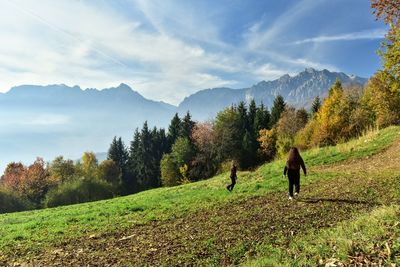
[(204, 224)]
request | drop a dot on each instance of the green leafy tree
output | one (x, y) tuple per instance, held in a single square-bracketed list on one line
[(109, 171), (169, 171), (89, 164), (62, 169), (182, 151)]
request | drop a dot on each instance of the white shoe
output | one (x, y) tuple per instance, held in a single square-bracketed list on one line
[(290, 198), (295, 194)]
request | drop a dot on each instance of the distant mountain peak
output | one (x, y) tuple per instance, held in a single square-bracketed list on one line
[(284, 77), (310, 70), (124, 86)]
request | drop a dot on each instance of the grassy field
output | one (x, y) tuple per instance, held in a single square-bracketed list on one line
[(32, 236)]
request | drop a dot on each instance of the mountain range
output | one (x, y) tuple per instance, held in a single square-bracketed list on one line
[(57, 120), (298, 91)]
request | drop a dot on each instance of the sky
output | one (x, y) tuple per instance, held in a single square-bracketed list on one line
[(167, 50)]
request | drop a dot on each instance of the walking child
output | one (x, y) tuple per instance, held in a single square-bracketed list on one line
[(292, 168), (233, 175)]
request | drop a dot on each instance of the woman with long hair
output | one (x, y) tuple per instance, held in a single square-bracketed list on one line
[(233, 176), (292, 168)]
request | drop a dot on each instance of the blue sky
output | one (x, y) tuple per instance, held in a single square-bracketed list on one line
[(167, 50)]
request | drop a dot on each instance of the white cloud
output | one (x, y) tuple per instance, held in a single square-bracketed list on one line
[(269, 72), (264, 33), (368, 34), (78, 43)]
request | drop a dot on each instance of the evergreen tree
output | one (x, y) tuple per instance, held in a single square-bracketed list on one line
[(174, 129), (130, 182), (252, 114), (119, 154), (249, 140), (262, 119), (277, 109), (147, 175), (159, 147), (186, 126), (228, 137), (315, 105), (243, 120)]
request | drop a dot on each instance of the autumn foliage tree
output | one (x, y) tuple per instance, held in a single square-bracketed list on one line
[(30, 182), (12, 177), (383, 90), (36, 181), (203, 164)]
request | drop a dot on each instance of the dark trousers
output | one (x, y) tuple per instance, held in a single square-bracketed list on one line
[(294, 181), (230, 187)]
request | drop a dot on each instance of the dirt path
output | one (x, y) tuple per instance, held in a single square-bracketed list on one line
[(384, 161), (227, 234)]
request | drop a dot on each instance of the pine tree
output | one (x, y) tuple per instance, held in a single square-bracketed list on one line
[(262, 119), (174, 129), (277, 109), (252, 114), (130, 182), (242, 112), (186, 126), (119, 154), (315, 105), (145, 164)]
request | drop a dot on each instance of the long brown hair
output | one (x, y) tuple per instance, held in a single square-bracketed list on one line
[(294, 159), (234, 164)]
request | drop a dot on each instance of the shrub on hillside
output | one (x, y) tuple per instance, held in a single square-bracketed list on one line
[(79, 191), (10, 202), (267, 139)]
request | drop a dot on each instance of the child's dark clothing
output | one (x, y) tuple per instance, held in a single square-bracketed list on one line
[(294, 176), (233, 179)]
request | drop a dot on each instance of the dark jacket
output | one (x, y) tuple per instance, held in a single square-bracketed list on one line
[(233, 172), (295, 167)]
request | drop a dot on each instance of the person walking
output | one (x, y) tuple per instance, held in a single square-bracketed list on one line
[(233, 176), (292, 169)]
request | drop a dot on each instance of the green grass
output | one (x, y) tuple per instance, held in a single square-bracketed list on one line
[(32, 231), (372, 237)]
